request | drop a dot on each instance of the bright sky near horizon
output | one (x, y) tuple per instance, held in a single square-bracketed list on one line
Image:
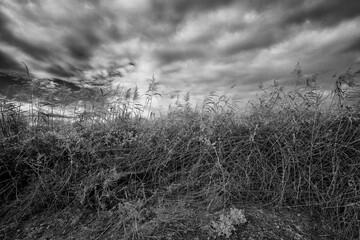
[(188, 45)]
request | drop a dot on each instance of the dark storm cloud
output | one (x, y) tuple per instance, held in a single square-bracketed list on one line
[(78, 50), (353, 47), (3, 22), (261, 39), (263, 5), (81, 33), (181, 6), (88, 33), (8, 63), (114, 33), (176, 10), (24, 2), (175, 54), (81, 47), (278, 28), (62, 71), (326, 13), (8, 36)]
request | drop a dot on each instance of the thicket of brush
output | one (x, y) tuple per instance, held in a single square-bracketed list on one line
[(292, 148)]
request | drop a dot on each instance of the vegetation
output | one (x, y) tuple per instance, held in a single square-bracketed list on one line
[(296, 147)]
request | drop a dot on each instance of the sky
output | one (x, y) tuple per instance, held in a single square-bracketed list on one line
[(195, 46)]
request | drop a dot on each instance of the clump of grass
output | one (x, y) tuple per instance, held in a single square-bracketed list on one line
[(290, 149), (12, 120)]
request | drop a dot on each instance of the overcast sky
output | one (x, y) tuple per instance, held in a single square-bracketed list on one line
[(188, 45)]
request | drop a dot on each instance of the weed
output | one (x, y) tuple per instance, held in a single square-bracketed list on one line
[(293, 147)]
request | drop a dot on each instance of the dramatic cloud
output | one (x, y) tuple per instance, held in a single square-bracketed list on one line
[(353, 46), (198, 46), (61, 71), (325, 13), (176, 11), (174, 54), (37, 51), (8, 63)]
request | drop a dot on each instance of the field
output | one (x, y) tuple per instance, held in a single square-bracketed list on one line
[(196, 172)]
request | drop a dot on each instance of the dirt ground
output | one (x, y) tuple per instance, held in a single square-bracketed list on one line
[(178, 223)]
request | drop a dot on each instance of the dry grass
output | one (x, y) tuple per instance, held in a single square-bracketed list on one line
[(288, 150)]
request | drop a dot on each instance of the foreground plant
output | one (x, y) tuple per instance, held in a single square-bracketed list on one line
[(227, 222)]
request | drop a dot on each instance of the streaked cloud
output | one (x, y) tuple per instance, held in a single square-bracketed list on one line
[(197, 46)]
